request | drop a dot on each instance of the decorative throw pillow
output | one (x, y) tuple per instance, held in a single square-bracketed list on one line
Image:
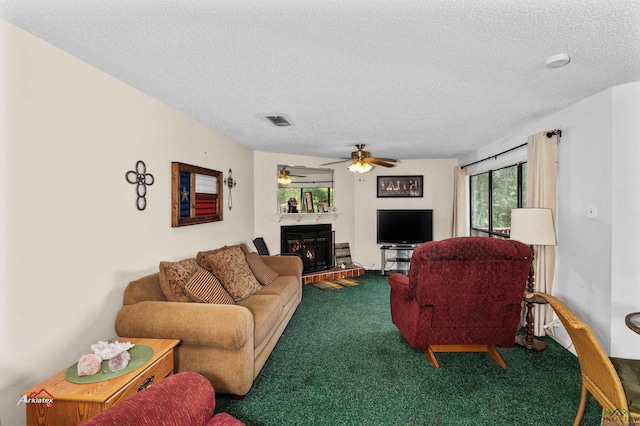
[(261, 270), (202, 260), (174, 276), (204, 287), (231, 268)]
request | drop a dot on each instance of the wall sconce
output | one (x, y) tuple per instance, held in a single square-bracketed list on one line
[(231, 183)]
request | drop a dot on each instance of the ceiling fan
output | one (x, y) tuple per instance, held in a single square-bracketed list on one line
[(362, 161), (284, 176)]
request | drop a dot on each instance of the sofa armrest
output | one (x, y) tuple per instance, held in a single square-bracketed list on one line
[(400, 286), (223, 326), (285, 265)]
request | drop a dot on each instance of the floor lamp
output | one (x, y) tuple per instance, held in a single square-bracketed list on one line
[(532, 226)]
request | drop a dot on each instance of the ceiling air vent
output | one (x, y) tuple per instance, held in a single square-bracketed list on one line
[(278, 120)]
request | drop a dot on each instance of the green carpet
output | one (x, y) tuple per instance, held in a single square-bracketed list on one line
[(341, 361)]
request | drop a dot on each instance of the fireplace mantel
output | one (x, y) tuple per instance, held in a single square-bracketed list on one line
[(306, 216)]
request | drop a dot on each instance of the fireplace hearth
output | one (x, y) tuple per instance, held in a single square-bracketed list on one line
[(313, 243)]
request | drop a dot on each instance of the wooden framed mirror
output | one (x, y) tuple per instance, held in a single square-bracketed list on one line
[(196, 195)]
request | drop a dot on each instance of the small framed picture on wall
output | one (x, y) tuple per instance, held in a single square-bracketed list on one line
[(399, 186)]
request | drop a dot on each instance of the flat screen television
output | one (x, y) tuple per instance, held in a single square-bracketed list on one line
[(404, 227)]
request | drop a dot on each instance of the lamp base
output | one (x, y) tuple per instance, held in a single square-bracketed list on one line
[(534, 344)]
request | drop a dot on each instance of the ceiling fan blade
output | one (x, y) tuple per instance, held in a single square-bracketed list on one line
[(387, 160), (378, 162), (335, 162)]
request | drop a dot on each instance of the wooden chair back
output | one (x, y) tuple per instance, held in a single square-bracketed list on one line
[(599, 376)]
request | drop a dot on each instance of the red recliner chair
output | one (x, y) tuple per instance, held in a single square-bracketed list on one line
[(462, 295), (181, 399)]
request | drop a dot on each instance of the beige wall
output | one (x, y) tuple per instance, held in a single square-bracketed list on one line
[(438, 195), (356, 201), (71, 234)]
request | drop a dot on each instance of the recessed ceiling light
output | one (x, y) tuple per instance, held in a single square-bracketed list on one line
[(557, 61)]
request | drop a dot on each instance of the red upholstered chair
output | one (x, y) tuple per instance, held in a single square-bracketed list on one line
[(462, 295), (181, 399)]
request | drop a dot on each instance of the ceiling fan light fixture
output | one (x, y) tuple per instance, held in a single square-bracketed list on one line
[(286, 180), (283, 177), (360, 167)]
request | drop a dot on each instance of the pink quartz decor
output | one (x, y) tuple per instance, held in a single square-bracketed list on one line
[(89, 365)]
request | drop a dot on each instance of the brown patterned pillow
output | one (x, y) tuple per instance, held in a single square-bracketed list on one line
[(174, 276), (261, 270), (204, 287), (201, 257), (202, 260), (231, 268)]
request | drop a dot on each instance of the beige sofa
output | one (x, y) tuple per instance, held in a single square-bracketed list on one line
[(228, 344)]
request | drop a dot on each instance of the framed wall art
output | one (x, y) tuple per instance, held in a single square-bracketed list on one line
[(196, 195), (399, 186)]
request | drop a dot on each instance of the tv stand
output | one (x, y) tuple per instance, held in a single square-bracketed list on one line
[(401, 260)]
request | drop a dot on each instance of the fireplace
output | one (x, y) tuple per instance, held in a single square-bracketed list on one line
[(313, 243)]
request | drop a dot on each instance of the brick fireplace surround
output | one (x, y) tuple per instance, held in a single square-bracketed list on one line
[(332, 274)]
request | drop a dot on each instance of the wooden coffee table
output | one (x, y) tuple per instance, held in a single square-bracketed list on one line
[(74, 403)]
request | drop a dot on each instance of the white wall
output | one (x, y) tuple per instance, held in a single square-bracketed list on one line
[(266, 221), (625, 276), (71, 235), (598, 158), (438, 195)]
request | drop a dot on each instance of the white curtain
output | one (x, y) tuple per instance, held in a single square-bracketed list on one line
[(459, 222), (542, 179)]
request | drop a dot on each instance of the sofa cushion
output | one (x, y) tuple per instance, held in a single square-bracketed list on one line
[(263, 273), (285, 287), (231, 268), (266, 311), (174, 276), (204, 287)]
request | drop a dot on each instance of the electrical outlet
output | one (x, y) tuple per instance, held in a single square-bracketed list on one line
[(553, 324)]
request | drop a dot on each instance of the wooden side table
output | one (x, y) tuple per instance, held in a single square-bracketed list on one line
[(74, 403), (633, 321)]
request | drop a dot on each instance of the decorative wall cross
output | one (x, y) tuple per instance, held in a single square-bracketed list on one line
[(140, 177), (231, 183)]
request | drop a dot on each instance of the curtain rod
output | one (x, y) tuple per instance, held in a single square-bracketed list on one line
[(495, 156)]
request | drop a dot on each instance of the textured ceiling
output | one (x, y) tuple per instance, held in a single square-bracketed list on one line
[(408, 78)]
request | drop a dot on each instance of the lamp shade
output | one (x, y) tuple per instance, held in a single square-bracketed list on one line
[(533, 226)]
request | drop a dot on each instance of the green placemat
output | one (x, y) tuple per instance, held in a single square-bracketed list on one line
[(140, 354)]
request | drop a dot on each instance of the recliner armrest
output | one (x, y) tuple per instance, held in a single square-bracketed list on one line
[(400, 285)]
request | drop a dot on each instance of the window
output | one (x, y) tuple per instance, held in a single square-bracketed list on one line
[(304, 180), (493, 195), (319, 196)]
